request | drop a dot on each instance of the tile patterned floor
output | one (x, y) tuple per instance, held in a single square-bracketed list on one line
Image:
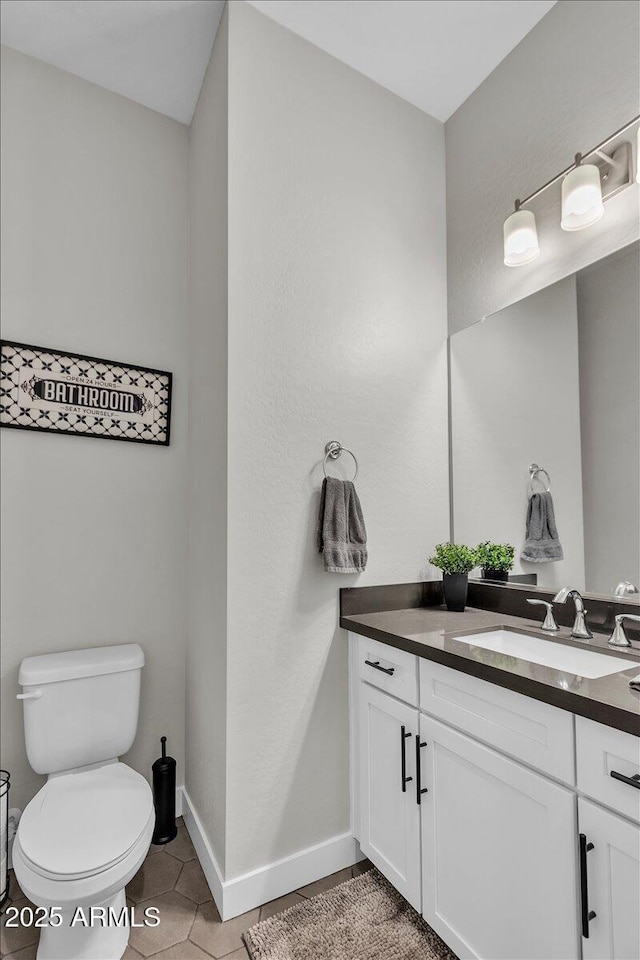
[(171, 878)]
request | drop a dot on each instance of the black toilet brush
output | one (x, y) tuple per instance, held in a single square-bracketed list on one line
[(164, 797)]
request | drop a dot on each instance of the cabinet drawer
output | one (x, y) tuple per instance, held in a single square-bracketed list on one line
[(601, 752), (395, 671), (534, 732)]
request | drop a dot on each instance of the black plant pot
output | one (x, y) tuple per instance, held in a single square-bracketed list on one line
[(455, 591), (501, 575)]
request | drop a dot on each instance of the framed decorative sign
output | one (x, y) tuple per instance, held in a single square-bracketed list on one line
[(43, 389)]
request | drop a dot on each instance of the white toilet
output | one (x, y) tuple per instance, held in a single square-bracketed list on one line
[(87, 831)]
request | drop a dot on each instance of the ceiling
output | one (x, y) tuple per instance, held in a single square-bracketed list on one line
[(433, 53), (152, 51)]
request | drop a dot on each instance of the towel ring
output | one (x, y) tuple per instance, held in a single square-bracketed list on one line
[(334, 450), (534, 471)]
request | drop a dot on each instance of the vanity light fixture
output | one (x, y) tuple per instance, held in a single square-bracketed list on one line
[(520, 238), (591, 179), (581, 196)]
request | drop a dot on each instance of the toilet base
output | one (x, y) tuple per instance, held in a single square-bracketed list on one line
[(94, 935)]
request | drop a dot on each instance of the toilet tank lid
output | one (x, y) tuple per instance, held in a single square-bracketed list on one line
[(75, 664)]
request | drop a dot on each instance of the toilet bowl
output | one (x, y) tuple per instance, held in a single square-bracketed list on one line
[(80, 840), (88, 830)]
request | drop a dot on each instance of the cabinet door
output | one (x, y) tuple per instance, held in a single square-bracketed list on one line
[(389, 814), (499, 852), (610, 885)]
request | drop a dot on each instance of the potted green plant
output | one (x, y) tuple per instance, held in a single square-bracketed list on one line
[(455, 560), (495, 559)]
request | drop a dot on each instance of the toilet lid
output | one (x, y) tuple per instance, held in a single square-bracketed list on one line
[(81, 823)]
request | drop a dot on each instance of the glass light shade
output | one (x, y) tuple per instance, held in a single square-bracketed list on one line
[(520, 239), (581, 197)]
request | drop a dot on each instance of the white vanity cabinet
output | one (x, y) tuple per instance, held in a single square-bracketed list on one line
[(467, 798), (389, 816), (498, 852), (608, 772), (610, 883), (609, 767), (530, 731)]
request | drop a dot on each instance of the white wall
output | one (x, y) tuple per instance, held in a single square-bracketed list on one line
[(337, 325), (515, 400), (94, 261), (572, 81), (206, 702), (609, 336)]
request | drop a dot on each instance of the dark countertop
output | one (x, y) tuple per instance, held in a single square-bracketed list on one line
[(434, 633)]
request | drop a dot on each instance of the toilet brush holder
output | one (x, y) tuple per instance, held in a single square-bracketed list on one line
[(4, 835), (164, 797)]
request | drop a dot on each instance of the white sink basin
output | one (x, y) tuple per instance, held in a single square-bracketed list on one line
[(581, 662)]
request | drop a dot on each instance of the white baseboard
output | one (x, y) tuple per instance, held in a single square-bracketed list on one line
[(250, 890), (276, 879), (202, 846), (179, 801)]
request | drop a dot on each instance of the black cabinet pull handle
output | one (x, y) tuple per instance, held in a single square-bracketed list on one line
[(633, 781), (419, 788), (403, 760), (587, 915), (376, 666)]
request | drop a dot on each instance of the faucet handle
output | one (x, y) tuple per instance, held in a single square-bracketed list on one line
[(619, 638), (625, 588), (549, 623)]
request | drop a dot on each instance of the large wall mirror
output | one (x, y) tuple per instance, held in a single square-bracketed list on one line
[(554, 380)]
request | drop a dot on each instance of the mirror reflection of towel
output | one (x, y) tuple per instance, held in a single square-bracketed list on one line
[(341, 536), (542, 544)]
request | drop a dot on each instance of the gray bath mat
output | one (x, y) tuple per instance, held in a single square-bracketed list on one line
[(362, 919)]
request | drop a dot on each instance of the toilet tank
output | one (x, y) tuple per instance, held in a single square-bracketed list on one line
[(80, 707)]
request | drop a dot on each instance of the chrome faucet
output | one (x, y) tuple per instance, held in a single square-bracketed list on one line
[(580, 630), (619, 638)]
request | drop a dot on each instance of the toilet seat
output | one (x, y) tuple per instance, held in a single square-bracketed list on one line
[(70, 894), (83, 823)]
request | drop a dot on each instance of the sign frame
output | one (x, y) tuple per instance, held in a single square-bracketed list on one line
[(139, 430)]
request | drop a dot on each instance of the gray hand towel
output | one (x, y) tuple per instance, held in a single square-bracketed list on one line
[(341, 536), (542, 544)]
